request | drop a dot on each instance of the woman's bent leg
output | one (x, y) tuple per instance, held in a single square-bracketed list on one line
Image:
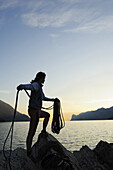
[(46, 116), (45, 122)]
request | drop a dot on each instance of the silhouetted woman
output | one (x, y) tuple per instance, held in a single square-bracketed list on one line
[(35, 105)]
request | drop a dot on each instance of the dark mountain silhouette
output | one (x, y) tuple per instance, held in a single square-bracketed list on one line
[(99, 114), (7, 111)]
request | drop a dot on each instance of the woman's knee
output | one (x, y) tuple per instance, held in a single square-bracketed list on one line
[(44, 114)]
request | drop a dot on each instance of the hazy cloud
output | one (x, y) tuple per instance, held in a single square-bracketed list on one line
[(54, 35), (72, 15), (95, 26), (46, 19), (100, 101), (4, 4), (5, 91)]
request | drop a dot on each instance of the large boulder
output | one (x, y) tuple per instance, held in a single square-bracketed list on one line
[(47, 153)]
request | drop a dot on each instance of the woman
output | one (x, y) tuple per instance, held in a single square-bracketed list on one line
[(35, 105)]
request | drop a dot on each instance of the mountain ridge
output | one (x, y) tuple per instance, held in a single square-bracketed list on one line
[(99, 114), (7, 111)]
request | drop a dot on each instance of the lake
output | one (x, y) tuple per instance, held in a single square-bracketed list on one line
[(73, 136)]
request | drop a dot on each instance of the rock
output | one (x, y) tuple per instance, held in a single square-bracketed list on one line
[(19, 161), (104, 152), (47, 145), (87, 159), (100, 158), (48, 152)]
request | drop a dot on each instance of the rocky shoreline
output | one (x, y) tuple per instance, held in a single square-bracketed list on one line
[(49, 154)]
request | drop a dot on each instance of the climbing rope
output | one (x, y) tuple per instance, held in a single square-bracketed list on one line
[(8, 158), (58, 120), (57, 124)]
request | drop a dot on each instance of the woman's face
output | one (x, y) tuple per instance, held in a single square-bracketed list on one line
[(42, 80)]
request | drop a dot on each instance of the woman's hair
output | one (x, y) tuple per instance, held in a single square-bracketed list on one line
[(39, 76)]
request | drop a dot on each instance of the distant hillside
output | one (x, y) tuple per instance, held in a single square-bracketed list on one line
[(99, 114), (6, 113)]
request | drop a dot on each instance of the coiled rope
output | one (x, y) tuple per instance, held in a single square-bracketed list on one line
[(58, 120)]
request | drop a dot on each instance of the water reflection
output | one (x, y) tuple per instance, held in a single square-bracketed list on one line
[(73, 136)]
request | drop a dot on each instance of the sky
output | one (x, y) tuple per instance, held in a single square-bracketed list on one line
[(70, 40)]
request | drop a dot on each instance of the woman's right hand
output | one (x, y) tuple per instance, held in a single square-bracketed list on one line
[(56, 99), (20, 87)]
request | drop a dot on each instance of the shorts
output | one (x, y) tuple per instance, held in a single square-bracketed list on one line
[(32, 111)]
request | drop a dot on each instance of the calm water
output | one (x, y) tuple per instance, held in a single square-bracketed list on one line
[(73, 136)]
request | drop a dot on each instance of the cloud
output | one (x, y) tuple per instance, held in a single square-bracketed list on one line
[(100, 101), (94, 26), (79, 15), (50, 19), (4, 4), (54, 35), (5, 91), (71, 15)]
